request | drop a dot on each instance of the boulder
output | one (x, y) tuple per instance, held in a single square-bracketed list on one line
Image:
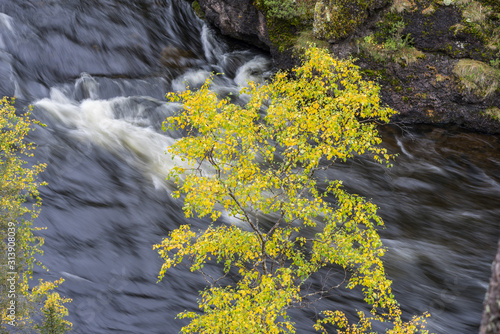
[(238, 19), (337, 19)]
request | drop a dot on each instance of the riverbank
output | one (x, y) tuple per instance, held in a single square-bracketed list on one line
[(438, 62)]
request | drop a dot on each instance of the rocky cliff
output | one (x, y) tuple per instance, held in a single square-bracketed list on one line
[(241, 20), (438, 61)]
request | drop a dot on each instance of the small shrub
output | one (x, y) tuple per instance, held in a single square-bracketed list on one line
[(18, 184)]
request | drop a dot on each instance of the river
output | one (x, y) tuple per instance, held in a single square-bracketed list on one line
[(96, 72)]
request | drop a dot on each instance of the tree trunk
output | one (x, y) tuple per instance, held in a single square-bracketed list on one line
[(490, 324)]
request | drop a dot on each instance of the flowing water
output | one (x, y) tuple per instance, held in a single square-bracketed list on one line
[(96, 72)]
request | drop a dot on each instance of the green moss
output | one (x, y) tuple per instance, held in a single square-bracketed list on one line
[(493, 112), (281, 33), (197, 9), (388, 43), (481, 19), (370, 48), (285, 19), (477, 77), (371, 74), (457, 28), (337, 19), (391, 25), (375, 74), (288, 10), (305, 38)]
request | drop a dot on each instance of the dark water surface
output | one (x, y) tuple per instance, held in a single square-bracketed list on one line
[(96, 72)]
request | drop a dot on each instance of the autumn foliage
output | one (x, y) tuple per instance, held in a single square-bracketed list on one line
[(260, 163), (20, 204)]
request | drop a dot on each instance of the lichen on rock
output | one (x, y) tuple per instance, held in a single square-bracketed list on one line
[(337, 19)]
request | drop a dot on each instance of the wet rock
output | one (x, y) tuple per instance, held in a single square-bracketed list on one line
[(238, 19), (173, 57), (478, 78), (428, 91)]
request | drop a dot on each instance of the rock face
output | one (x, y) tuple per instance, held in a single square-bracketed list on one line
[(490, 323), (430, 91), (241, 20), (437, 61), (238, 19), (337, 19), (454, 81)]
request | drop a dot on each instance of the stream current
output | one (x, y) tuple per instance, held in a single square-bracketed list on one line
[(96, 72)]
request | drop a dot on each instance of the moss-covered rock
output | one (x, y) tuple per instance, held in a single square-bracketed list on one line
[(337, 19), (411, 47), (494, 113), (483, 22), (477, 77), (197, 9), (287, 10), (305, 38)]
